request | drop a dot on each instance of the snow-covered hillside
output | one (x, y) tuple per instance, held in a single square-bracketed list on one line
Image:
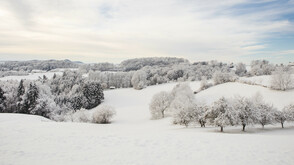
[(135, 139), (31, 76), (278, 98)]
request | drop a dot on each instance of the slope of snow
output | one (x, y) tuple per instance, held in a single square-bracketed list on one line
[(134, 139), (31, 76), (278, 98), (21, 118), (264, 80)]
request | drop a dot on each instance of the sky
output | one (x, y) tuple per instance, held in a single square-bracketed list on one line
[(114, 30)]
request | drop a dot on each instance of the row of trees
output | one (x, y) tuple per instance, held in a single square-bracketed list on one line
[(37, 65), (158, 74), (181, 105)]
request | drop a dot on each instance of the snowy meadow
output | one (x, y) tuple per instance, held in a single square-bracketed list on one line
[(149, 111)]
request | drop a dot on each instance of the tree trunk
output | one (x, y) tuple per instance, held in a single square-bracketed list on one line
[(222, 129), (262, 126), (282, 124), (244, 125), (162, 112)]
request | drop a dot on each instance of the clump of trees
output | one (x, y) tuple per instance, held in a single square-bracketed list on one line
[(220, 77), (237, 111), (51, 98), (37, 65), (261, 67)]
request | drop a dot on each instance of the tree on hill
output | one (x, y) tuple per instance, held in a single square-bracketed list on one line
[(93, 94), (222, 114)]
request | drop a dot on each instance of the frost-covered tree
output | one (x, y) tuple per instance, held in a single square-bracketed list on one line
[(103, 114), (93, 94), (2, 100), (159, 104), (247, 113), (139, 79), (183, 90), (281, 79), (200, 114), (45, 104), (241, 69), (222, 114), (183, 111), (289, 112), (266, 111), (182, 105), (280, 117)]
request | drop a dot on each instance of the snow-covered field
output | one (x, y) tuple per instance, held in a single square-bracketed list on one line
[(135, 139), (31, 76)]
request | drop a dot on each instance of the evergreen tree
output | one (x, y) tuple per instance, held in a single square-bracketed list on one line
[(93, 94), (20, 89), (30, 99), (20, 93), (2, 100)]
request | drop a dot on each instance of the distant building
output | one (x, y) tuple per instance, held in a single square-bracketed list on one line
[(112, 87)]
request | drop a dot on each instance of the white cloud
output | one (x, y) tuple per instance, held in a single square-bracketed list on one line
[(113, 30)]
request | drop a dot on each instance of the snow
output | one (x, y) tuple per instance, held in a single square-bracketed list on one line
[(31, 76), (264, 80), (135, 139), (278, 98)]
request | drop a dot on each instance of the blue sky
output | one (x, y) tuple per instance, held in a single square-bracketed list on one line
[(115, 30)]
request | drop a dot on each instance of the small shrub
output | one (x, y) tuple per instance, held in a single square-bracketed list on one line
[(103, 114)]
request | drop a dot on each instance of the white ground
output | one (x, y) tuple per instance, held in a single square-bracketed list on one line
[(31, 76), (134, 139)]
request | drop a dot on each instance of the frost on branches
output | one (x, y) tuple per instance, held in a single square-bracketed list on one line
[(159, 104), (222, 114), (139, 80), (103, 114), (282, 79)]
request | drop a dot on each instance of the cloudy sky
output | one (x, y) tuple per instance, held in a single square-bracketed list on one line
[(114, 30)]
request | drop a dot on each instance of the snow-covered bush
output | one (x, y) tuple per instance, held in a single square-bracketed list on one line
[(281, 79), (159, 104), (222, 114), (223, 77), (139, 80), (82, 116), (103, 114)]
